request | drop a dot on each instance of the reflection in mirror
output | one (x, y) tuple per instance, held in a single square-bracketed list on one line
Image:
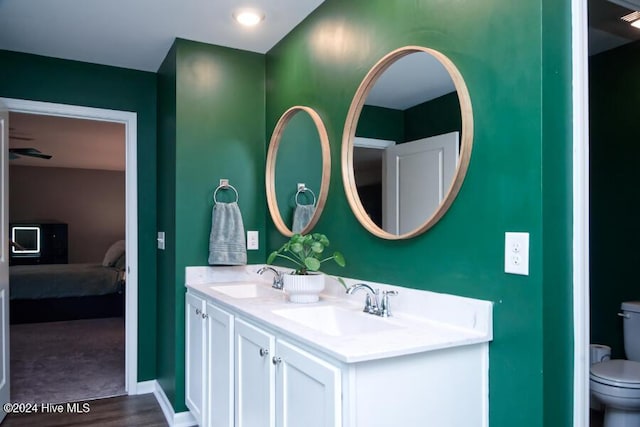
[(297, 171), (407, 142)]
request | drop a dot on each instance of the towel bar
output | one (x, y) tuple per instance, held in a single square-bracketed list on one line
[(302, 189), (224, 185)]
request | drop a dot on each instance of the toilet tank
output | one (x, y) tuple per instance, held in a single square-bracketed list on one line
[(631, 327)]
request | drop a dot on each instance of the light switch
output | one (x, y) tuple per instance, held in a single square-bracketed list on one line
[(516, 253), (252, 240), (161, 240)]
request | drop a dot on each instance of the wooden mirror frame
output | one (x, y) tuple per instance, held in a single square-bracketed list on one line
[(270, 181), (348, 176)]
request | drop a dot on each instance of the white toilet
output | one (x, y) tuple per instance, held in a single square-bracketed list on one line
[(616, 383)]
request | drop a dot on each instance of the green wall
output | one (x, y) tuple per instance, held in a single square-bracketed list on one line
[(614, 96), (321, 63), (381, 123), (443, 115), (167, 328), (38, 78), (557, 207), (436, 117), (211, 121)]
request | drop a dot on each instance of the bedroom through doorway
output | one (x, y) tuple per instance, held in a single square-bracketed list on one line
[(67, 258), (82, 210)]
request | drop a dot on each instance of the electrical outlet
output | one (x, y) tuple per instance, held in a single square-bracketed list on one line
[(161, 240), (516, 253), (252, 240)]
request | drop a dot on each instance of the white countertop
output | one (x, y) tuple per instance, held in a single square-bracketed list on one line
[(421, 320)]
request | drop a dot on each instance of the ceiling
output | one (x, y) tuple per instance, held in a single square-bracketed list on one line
[(138, 34), (72, 143), (401, 87), (606, 29)]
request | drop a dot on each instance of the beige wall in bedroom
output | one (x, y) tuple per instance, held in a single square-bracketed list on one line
[(91, 202)]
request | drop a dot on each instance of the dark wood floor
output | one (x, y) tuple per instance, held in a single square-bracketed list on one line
[(123, 411)]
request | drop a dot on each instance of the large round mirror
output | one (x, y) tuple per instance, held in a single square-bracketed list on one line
[(297, 171), (407, 142)]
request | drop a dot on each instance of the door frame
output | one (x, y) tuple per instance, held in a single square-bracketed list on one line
[(130, 120), (580, 114)]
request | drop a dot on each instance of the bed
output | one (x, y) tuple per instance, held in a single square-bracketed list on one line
[(53, 292)]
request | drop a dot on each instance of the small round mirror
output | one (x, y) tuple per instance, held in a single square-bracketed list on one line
[(407, 142), (297, 171)]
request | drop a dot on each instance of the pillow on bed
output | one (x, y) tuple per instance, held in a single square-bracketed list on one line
[(113, 253), (121, 262)]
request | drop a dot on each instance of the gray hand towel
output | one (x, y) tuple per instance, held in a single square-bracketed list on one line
[(301, 217), (227, 245)]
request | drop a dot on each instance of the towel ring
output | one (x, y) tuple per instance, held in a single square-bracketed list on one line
[(302, 190), (225, 187)]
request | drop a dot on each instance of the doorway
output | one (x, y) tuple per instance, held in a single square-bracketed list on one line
[(129, 120), (598, 28)]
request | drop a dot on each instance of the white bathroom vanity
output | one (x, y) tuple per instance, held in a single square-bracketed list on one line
[(254, 359)]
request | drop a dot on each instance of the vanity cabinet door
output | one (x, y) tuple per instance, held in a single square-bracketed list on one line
[(254, 376), (308, 389), (195, 356), (220, 365)]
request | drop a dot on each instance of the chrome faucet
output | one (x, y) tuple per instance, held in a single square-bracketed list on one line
[(277, 276), (372, 304), (371, 300), (385, 311)]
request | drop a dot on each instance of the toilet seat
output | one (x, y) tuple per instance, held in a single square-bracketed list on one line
[(617, 373)]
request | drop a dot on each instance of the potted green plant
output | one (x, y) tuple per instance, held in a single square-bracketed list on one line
[(306, 252)]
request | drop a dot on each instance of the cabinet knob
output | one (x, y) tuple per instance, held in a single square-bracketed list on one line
[(264, 352), (198, 312), (276, 360), (205, 315)]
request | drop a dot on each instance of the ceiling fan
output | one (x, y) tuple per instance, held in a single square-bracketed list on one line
[(15, 153)]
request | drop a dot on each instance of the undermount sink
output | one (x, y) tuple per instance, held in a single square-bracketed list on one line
[(337, 321), (246, 290)]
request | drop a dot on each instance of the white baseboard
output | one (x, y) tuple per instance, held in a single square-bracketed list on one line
[(146, 387), (181, 419)]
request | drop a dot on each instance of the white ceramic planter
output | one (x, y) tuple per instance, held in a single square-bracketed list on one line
[(303, 288)]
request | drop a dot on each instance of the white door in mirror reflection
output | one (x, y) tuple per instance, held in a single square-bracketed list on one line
[(417, 176)]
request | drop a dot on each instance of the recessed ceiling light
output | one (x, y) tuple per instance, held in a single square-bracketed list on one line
[(248, 17)]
